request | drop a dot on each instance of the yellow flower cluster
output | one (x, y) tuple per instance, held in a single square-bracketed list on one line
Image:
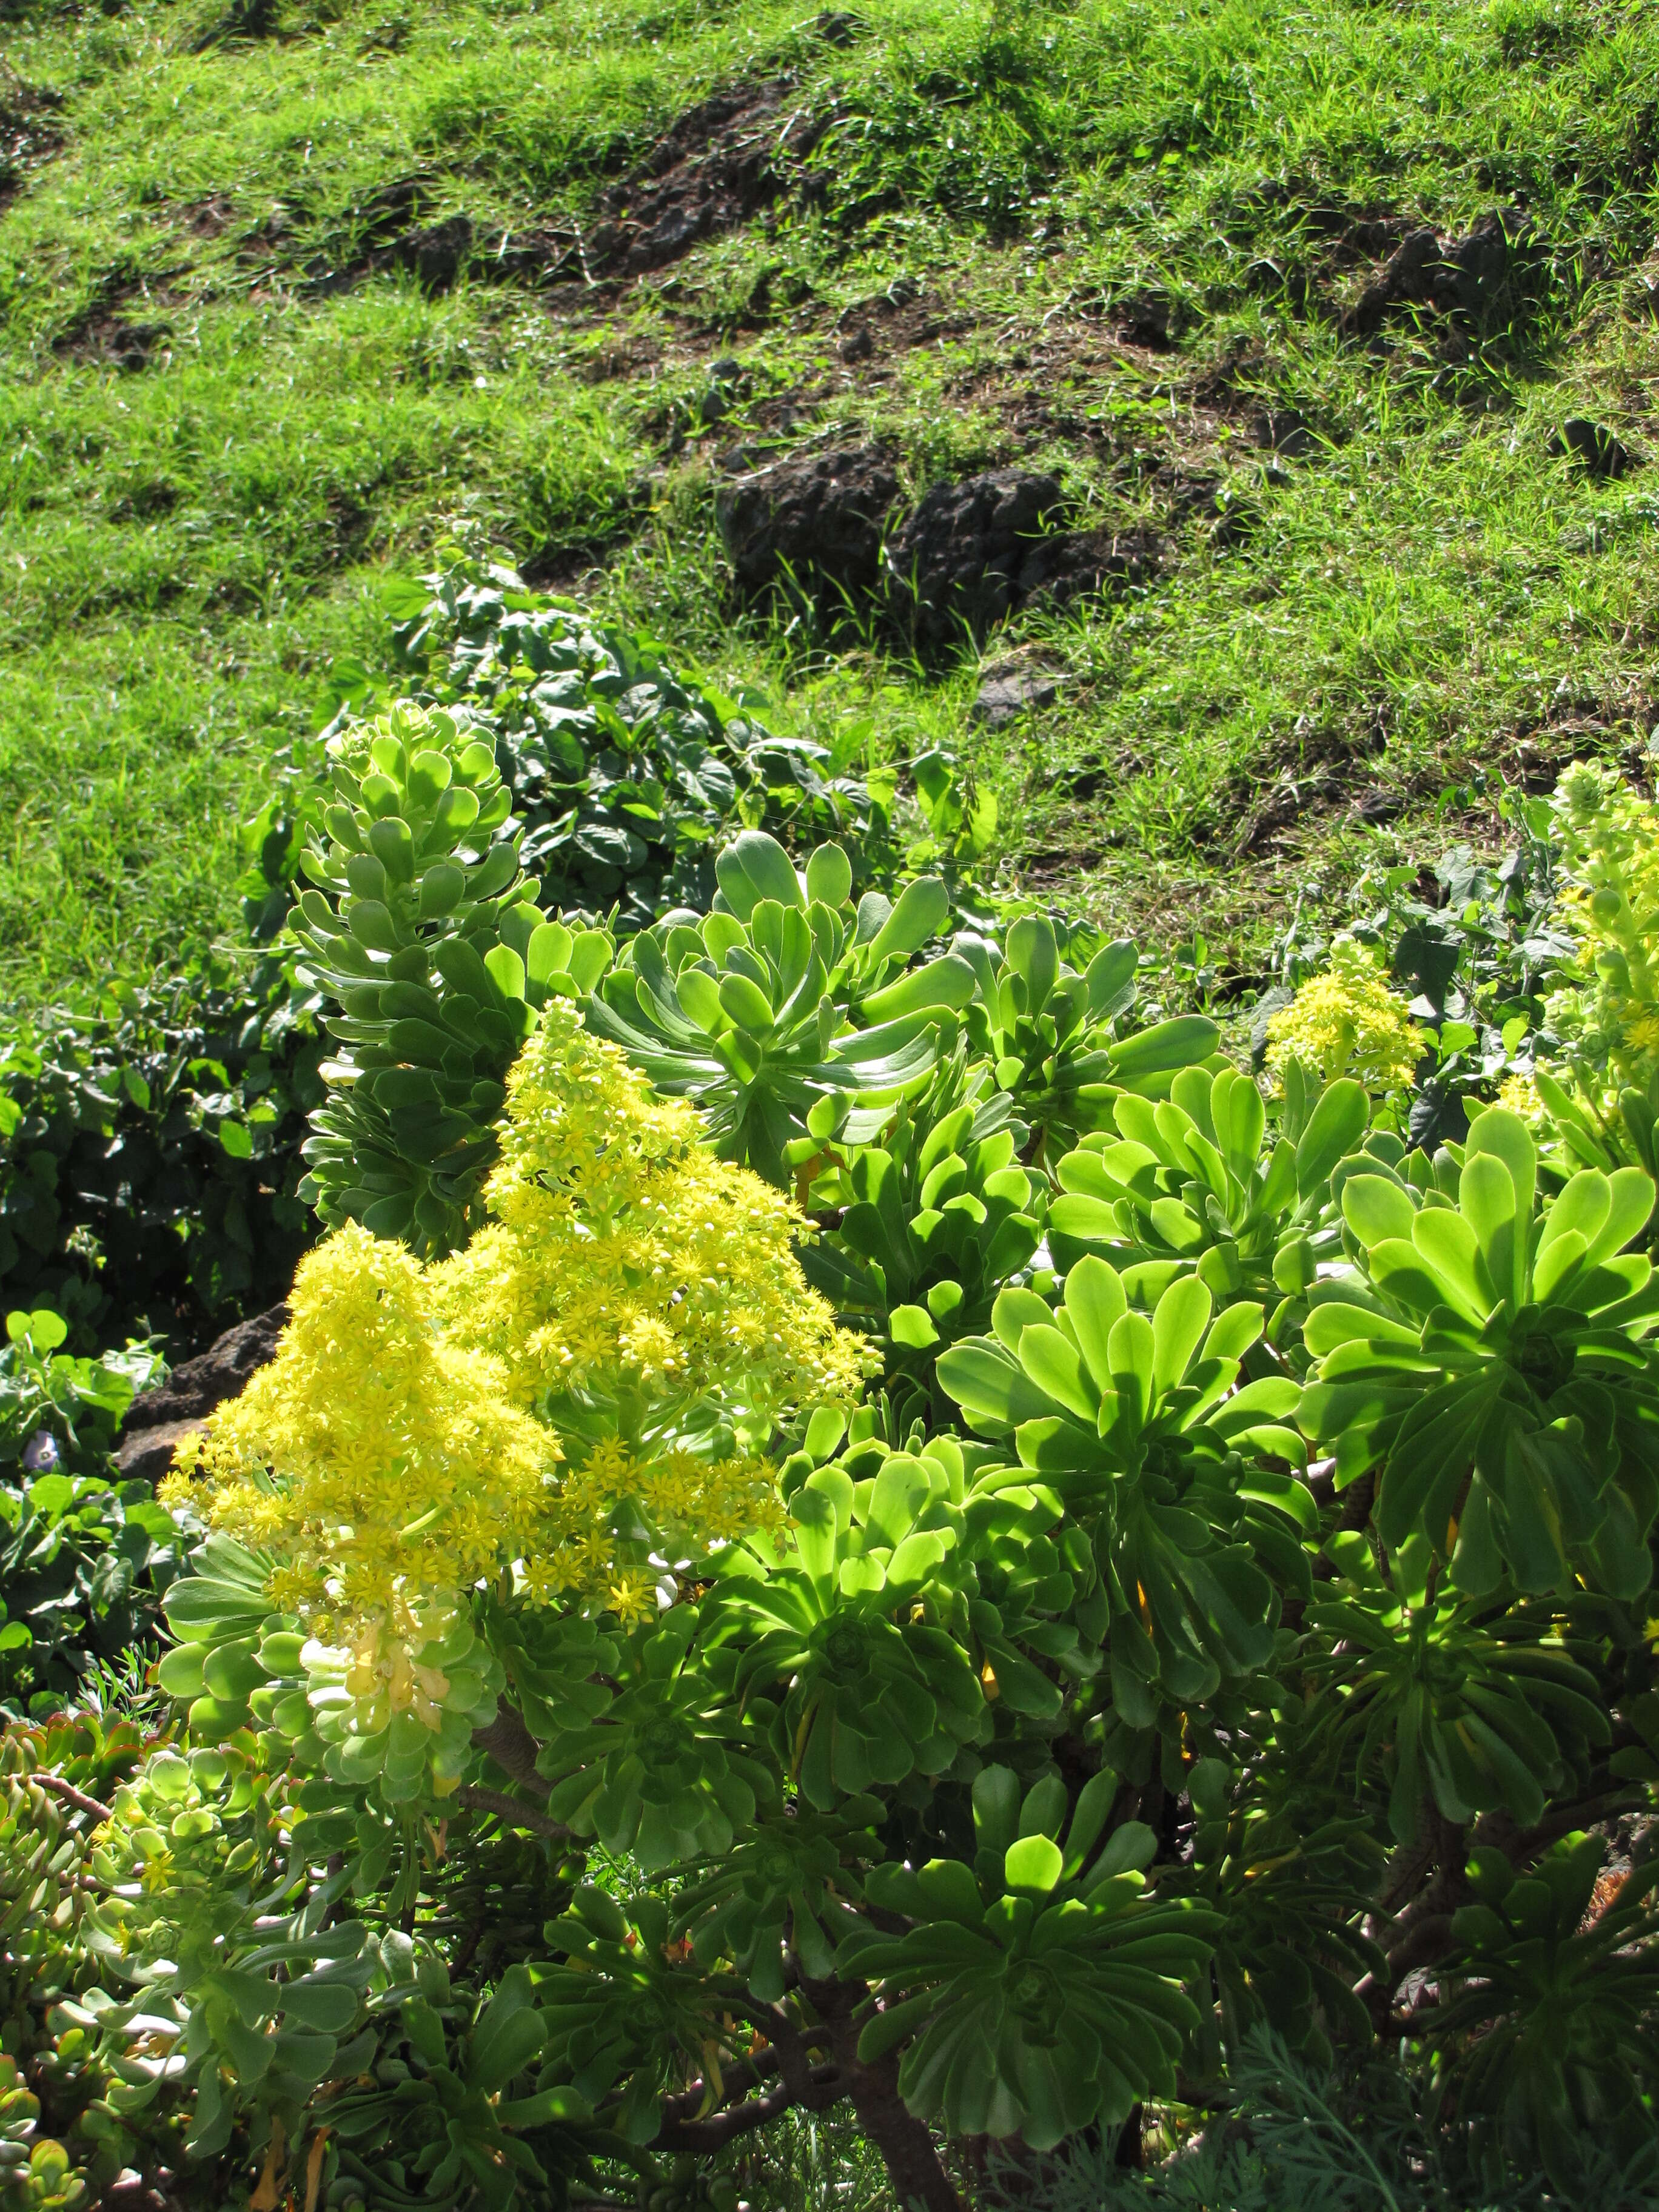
[(1348, 1022), (583, 1395), (1610, 899), (385, 1464), (626, 1267), (1518, 1094)]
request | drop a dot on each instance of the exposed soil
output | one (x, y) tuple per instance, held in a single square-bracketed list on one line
[(107, 333), (28, 130), (718, 166), (162, 1419), (1477, 284)]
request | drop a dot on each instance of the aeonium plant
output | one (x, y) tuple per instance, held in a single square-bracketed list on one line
[(572, 1409), (966, 1750)]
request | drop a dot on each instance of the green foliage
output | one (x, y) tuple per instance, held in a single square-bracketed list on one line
[(60, 2146), (1480, 954), (1063, 1728), (1494, 1335), (748, 1012), (616, 2013), (935, 1219), (666, 1771), (436, 2123), (623, 775), (867, 1698), (1050, 1035), (421, 924), (778, 1894), (56, 1410), (1134, 1421), (1546, 2032), (1452, 1699), (83, 1560), (148, 1155), (1185, 1180), (1045, 1994)]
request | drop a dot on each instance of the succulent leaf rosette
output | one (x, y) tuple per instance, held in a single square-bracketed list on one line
[(1492, 1360), (840, 1621), (750, 1010), (1043, 1998), (1185, 1181), (1050, 1037), (1135, 1423)]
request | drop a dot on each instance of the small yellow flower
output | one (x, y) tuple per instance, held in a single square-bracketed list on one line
[(631, 1600), (1518, 1093)]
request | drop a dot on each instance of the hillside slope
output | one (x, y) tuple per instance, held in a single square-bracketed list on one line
[(1333, 329)]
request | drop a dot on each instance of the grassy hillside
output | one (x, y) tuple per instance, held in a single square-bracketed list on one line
[(250, 362)]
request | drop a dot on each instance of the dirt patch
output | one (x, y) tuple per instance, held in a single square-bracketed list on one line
[(145, 501), (363, 238), (1592, 448), (208, 218), (717, 166), (108, 333), (30, 130), (160, 1419)]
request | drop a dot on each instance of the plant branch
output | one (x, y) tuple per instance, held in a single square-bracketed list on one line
[(514, 1749), (906, 2143), (1521, 1846), (477, 1798), (71, 1796), (826, 2086), (736, 2080), (1422, 1932)]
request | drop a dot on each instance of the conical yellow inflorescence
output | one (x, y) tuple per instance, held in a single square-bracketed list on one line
[(589, 1387)]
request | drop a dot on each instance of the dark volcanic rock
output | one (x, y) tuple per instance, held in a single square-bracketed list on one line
[(436, 254), (162, 1419), (975, 551), (819, 518), (1477, 280), (1592, 447), (1012, 690), (958, 559), (1070, 563)]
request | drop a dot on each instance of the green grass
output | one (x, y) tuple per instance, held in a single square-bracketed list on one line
[(1427, 599)]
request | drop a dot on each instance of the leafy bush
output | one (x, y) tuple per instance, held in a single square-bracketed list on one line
[(148, 1155), (1228, 1618), (82, 1559), (625, 776)]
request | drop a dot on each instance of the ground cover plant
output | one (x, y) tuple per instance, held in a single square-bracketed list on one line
[(1332, 332)]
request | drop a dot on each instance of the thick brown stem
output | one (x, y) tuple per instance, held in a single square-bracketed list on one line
[(919, 2182), (477, 1798), (513, 1748), (826, 2087), (1522, 1846), (1422, 1932)]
